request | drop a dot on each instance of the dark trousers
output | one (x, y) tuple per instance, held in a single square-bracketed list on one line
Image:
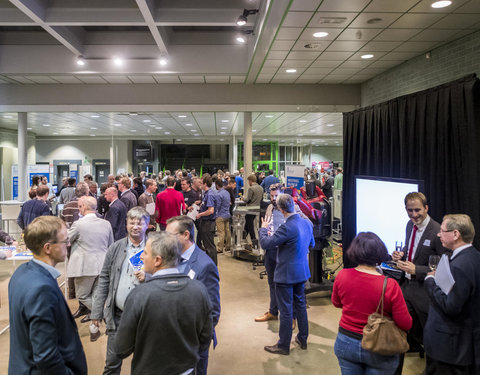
[(207, 235), (250, 226), (442, 368), (290, 299), (270, 265), (202, 363), (113, 363)]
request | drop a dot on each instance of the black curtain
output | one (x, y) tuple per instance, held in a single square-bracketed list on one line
[(432, 135)]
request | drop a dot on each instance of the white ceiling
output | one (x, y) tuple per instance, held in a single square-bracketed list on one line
[(40, 41)]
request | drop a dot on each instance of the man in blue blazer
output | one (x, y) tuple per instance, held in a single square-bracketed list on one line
[(43, 334), (116, 214), (196, 264), (293, 239), (452, 331)]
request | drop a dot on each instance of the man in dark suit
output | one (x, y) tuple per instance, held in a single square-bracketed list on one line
[(198, 266), (43, 335), (452, 332), (116, 214), (293, 239), (421, 241), (127, 196)]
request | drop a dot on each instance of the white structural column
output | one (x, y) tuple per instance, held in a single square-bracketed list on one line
[(113, 157), (247, 148), (22, 157), (233, 155)]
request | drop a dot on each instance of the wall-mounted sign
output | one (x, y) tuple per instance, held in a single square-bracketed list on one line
[(143, 152)]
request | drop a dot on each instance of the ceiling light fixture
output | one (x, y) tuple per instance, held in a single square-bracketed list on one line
[(291, 70), (7, 116), (303, 120), (254, 130), (320, 34), (441, 4), (92, 135), (225, 120), (197, 135), (182, 116), (117, 61), (133, 130), (330, 125), (94, 116), (163, 61), (240, 39), (147, 120), (46, 125), (117, 125), (223, 127), (158, 128), (269, 116), (242, 20), (222, 132), (81, 61), (367, 56), (29, 128), (188, 124), (55, 133), (167, 133), (93, 128)]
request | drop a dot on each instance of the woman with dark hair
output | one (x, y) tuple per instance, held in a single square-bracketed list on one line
[(357, 292), (36, 182)]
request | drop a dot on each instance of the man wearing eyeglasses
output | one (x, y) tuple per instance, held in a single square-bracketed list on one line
[(43, 334), (452, 331), (421, 241)]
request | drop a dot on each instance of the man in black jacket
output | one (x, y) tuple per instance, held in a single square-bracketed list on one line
[(165, 300)]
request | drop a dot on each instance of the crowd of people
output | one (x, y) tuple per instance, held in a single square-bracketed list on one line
[(154, 221)]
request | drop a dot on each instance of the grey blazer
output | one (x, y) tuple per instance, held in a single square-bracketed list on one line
[(104, 295), (90, 238)]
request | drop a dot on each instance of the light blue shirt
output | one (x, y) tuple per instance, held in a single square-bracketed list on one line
[(166, 271), (185, 258), (222, 204), (52, 270)]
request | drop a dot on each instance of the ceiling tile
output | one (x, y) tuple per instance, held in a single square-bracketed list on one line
[(20, 79), (343, 5), (289, 33), (142, 79), (435, 35), (286, 76), (269, 70), (396, 34), (356, 64), (283, 81), (397, 56), (297, 19), (305, 5), (416, 21), (424, 6), (277, 55), (305, 81), (282, 45), (331, 20), (117, 79), (217, 79), (390, 5), (166, 78), (385, 63), (346, 71), (66, 79), (415, 46), (326, 63), (473, 6), (309, 31), (332, 79), (272, 63), (358, 34), (335, 56), (380, 46), (358, 55), (41, 79), (364, 20), (318, 71), (192, 79), (297, 55), (452, 21), (91, 79), (296, 64), (345, 45), (265, 76), (373, 70)]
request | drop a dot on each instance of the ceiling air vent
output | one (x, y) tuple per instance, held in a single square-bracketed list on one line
[(336, 20), (311, 46)]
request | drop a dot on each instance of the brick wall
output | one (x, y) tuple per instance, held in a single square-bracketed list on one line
[(447, 63)]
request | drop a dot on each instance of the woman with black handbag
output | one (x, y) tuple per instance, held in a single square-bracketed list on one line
[(365, 299)]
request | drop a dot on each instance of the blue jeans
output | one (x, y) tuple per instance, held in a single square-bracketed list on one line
[(354, 360)]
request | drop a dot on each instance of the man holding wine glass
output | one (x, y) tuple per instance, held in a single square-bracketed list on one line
[(421, 241)]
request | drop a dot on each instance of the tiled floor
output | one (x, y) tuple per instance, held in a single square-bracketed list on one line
[(240, 339)]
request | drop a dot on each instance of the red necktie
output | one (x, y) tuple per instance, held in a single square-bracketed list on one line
[(410, 251)]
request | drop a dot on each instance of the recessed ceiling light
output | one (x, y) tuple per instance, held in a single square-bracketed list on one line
[(94, 116), (152, 126), (93, 128), (197, 135), (312, 131), (167, 133), (269, 116), (117, 125), (179, 140), (80, 61), (225, 120), (333, 133), (46, 125), (300, 135), (163, 61), (158, 127), (55, 133), (7, 116), (291, 70), (223, 127), (330, 125), (320, 34), (222, 132), (367, 56), (441, 4), (92, 135), (222, 139), (29, 128), (303, 120), (264, 139), (326, 144), (147, 120), (240, 39), (188, 124), (193, 130), (254, 130), (117, 61), (182, 116), (133, 130), (133, 114)]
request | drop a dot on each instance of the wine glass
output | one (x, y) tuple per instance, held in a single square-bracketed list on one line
[(433, 261)]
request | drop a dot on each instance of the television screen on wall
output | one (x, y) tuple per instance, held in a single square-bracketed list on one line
[(380, 207)]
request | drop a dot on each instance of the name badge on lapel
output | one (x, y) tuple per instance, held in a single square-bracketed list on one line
[(426, 243), (191, 274)]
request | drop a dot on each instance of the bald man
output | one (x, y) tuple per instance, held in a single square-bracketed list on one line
[(116, 214)]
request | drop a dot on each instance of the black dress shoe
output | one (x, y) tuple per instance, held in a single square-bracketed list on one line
[(85, 319), (302, 346), (276, 350), (94, 336), (82, 310)]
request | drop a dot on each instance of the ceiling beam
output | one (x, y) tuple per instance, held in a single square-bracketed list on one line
[(147, 8), (36, 10)]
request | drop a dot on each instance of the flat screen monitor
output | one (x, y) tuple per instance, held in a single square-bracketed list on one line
[(380, 208)]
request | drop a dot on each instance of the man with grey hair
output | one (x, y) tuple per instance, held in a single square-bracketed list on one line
[(70, 210), (179, 304), (117, 279), (293, 238), (452, 331), (90, 238)]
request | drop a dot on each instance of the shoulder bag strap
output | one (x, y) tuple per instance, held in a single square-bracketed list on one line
[(380, 303)]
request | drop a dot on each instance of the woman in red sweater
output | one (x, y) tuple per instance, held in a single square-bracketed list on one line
[(357, 292)]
